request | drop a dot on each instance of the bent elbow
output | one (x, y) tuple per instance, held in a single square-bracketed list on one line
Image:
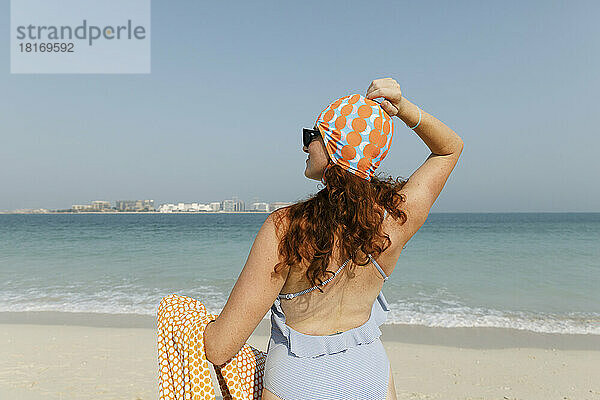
[(212, 354), (214, 358), (210, 357)]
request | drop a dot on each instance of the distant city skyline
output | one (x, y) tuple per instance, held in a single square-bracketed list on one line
[(255, 199), (233, 204), (233, 84)]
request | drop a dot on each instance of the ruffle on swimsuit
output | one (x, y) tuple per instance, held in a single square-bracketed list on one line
[(303, 345)]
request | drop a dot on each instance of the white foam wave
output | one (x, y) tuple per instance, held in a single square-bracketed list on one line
[(469, 317), (132, 299)]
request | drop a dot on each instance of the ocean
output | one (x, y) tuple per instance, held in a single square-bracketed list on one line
[(531, 271)]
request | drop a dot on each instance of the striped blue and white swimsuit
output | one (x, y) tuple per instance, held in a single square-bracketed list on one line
[(350, 365)]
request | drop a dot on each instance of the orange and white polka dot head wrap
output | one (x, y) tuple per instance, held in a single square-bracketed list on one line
[(357, 133)]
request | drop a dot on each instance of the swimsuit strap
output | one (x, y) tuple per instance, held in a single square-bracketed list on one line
[(385, 277), (292, 295)]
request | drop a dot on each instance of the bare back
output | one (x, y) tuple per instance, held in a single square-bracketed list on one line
[(347, 300)]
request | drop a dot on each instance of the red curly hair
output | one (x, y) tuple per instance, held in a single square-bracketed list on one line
[(345, 205)]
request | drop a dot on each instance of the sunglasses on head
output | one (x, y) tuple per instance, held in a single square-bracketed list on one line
[(308, 135)]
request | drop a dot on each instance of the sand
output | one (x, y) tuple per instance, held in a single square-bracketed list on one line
[(49, 355)]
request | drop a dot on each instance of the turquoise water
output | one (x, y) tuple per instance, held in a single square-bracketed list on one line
[(535, 271)]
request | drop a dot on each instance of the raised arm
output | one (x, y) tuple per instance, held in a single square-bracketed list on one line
[(426, 183)]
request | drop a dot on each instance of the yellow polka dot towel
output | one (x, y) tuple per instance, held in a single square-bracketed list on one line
[(357, 133), (183, 370)]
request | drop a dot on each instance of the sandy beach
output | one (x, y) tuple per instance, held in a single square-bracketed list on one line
[(47, 355)]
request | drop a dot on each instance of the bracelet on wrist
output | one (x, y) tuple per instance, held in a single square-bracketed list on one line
[(418, 123)]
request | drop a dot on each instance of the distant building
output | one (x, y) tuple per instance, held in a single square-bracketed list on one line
[(234, 205), (135, 205), (260, 207), (215, 206), (146, 205), (167, 208), (204, 207), (100, 205), (228, 205), (81, 207), (97, 205), (278, 204), (125, 205), (184, 207)]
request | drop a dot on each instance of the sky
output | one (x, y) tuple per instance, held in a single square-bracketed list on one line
[(232, 84)]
